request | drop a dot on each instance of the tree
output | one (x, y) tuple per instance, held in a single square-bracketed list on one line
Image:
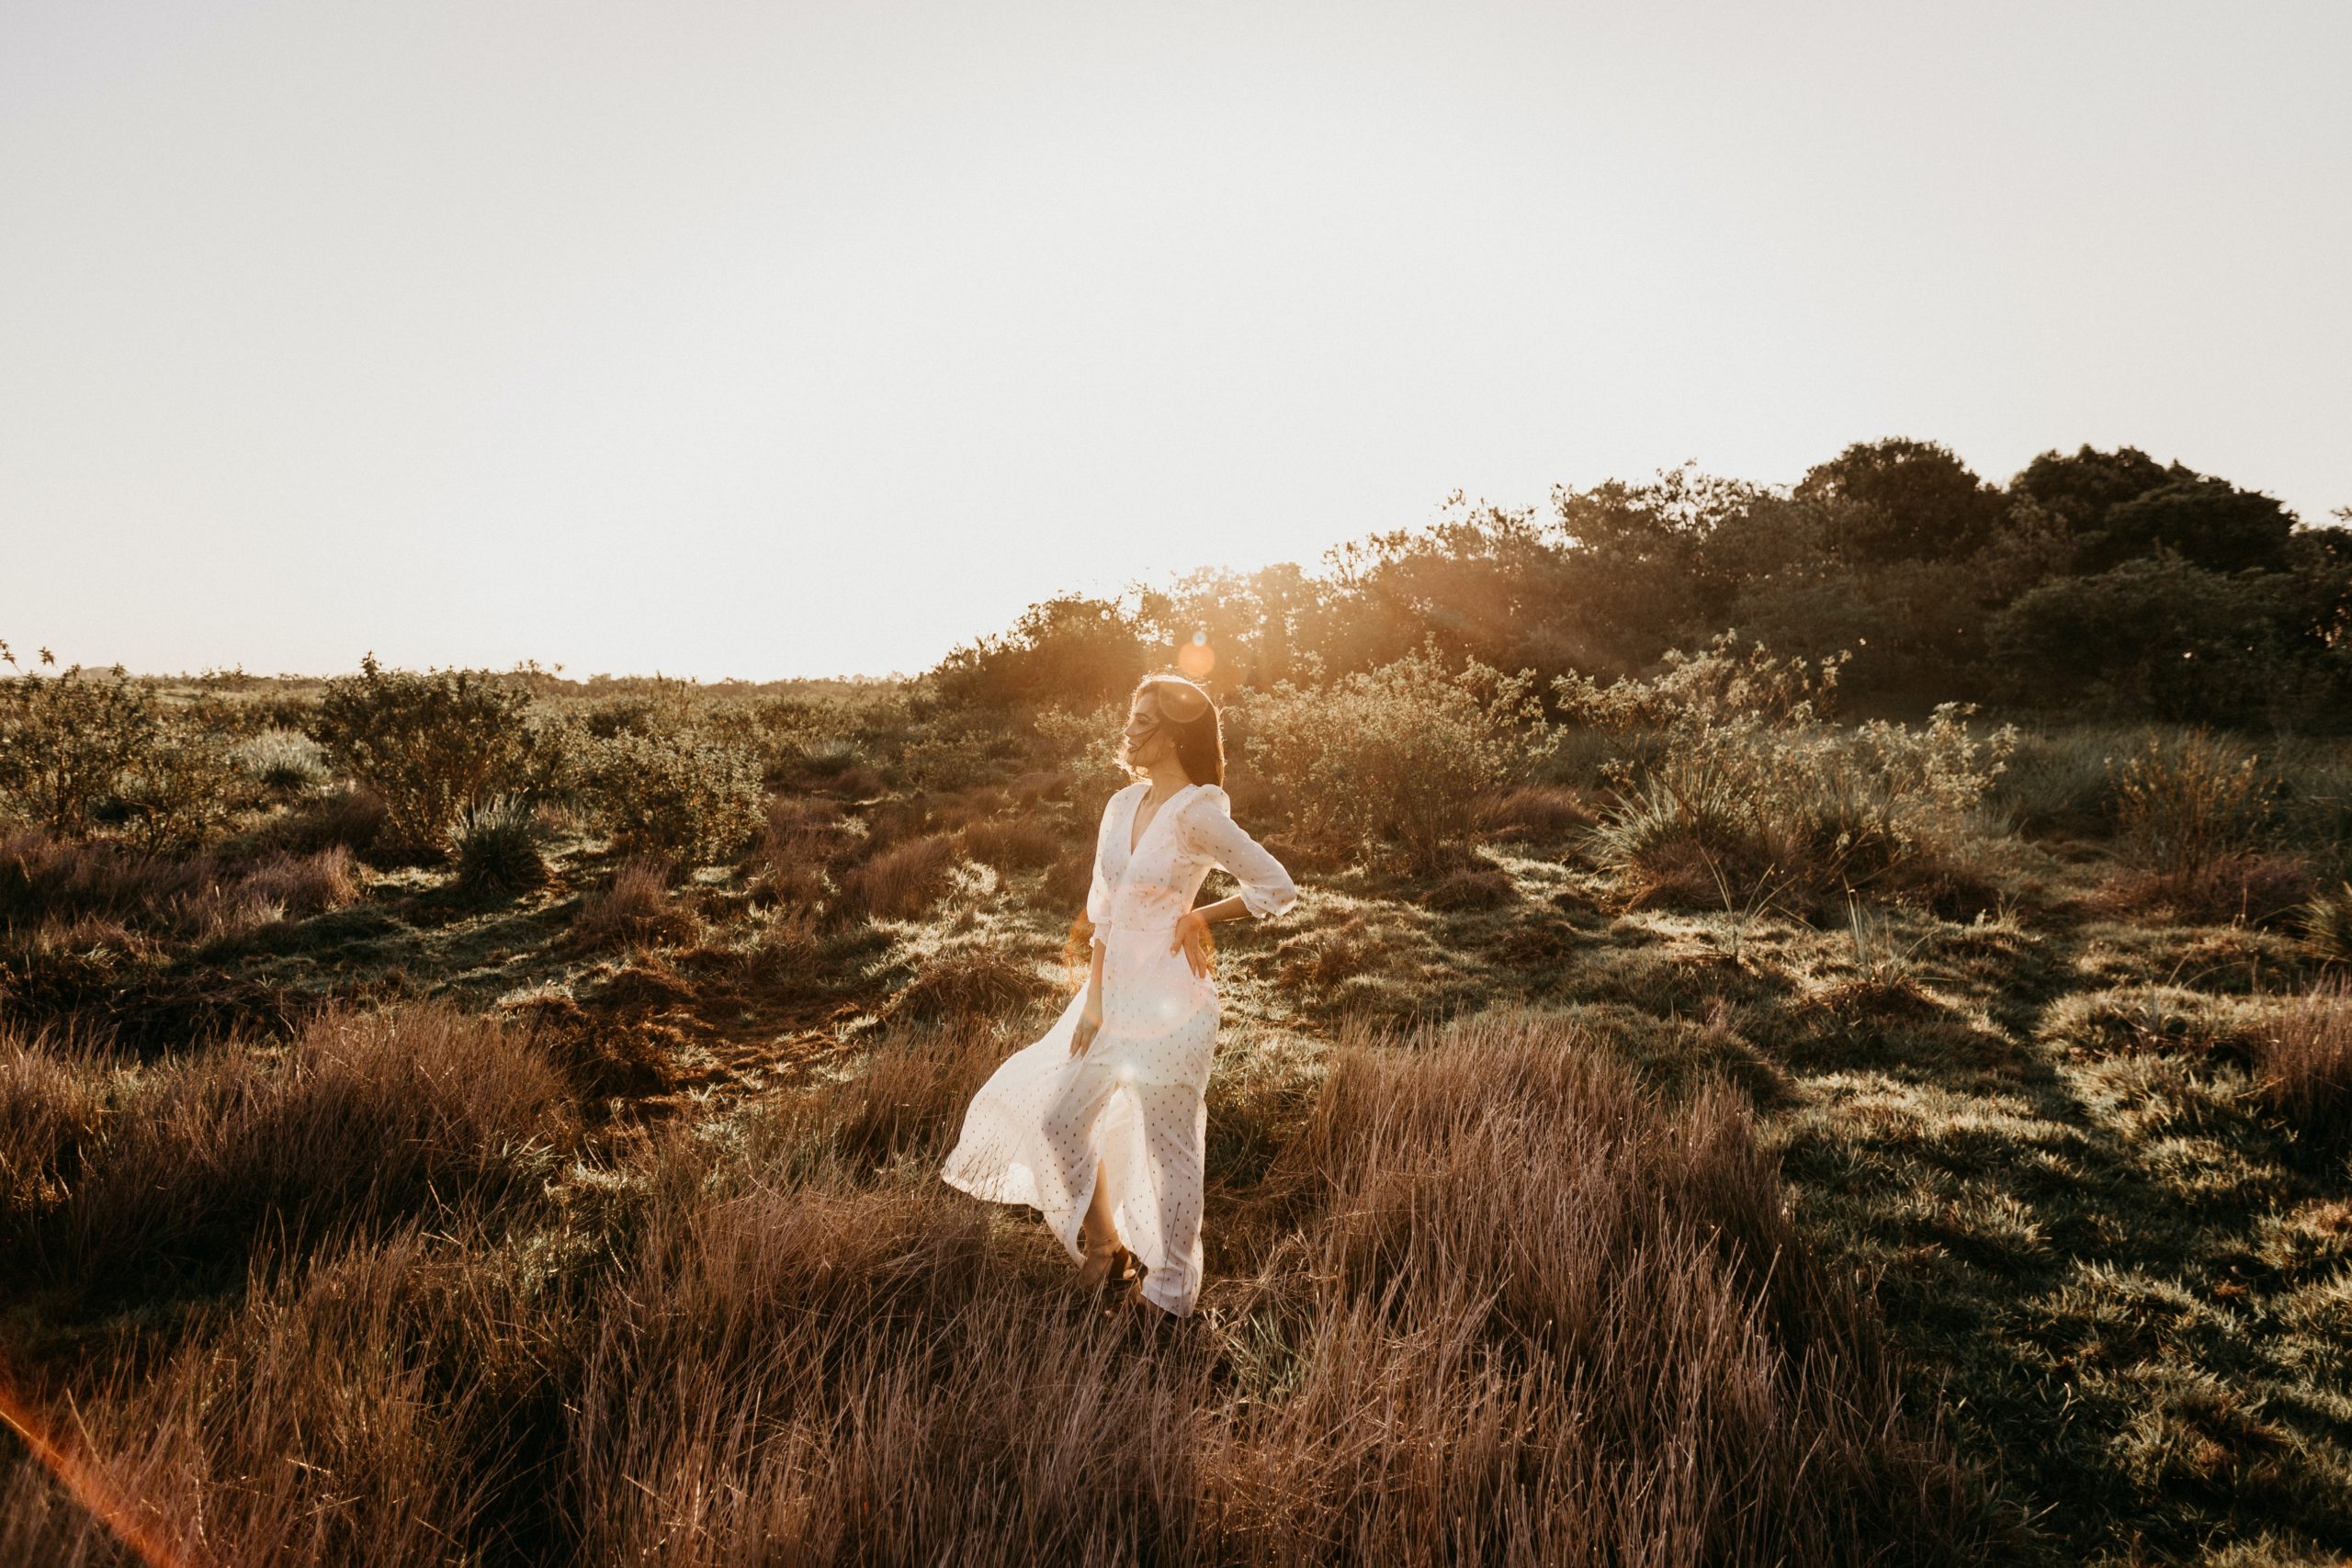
[(1069, 650), (2155, 638), (2079, 489), (1902, 500), (2210, 521)]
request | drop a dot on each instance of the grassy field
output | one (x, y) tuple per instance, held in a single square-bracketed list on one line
[(1572, 1198)]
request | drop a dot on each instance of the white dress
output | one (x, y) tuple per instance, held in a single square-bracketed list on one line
[(1035, 1131)]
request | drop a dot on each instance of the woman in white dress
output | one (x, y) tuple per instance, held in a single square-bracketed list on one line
[(1101, 1123)]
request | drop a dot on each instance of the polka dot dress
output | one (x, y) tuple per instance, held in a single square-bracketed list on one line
[(1133, 1103)]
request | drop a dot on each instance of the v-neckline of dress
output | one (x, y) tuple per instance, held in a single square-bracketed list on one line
[(1134, 841)]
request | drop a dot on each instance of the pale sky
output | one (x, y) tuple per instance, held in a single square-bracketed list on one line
[(777, 339)]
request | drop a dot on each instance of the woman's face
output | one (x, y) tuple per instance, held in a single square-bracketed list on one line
[(1145, 740)]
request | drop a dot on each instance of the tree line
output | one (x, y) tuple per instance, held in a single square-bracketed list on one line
[(2099, 585)]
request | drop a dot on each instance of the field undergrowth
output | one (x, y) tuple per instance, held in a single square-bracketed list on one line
[(1614, 1178)]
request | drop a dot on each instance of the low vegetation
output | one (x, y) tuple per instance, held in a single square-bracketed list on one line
[(1799, 1094)]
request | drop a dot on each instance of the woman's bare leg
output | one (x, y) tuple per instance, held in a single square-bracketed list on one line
[(1097, 1224)]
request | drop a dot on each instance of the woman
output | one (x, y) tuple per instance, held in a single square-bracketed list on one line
[(1101, 1123)]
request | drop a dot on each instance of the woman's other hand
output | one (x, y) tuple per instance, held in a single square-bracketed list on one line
[(1089, 1023), (1191, 934)]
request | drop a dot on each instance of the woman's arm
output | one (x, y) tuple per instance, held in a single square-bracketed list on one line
[(1266, 888)]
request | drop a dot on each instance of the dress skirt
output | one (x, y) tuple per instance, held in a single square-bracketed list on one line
[(1135, 1104)]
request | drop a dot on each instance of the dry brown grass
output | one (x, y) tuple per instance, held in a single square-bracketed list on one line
[(1479, 888), (1617, 1353), (45, 879), (362, 1423), (53, 1107), (353, 817), (1537, 809), (1023, 842), (635, 908), (908, 1093), (973, 981), (1041, 785), (805, 834), (62, 885), (2303, 1061), (359, 1117), (1503, 1305), (900, 881), (2260, 888), (1537, 1341)]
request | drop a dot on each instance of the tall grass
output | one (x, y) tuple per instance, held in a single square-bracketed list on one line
[(900, 881), (1496, 1301), (2303, 1063), (167, 1174)]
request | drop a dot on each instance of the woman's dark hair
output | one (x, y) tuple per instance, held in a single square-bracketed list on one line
[(1190, 718)]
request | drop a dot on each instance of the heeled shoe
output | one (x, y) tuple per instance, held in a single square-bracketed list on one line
[(1096, 1268), (1127, 1300)]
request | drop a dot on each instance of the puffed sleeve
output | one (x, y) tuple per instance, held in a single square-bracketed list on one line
[(1266, 888), (1098, 892)]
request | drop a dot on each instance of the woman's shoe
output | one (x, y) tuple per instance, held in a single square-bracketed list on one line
[(1099, 1259), (1126, 1300)]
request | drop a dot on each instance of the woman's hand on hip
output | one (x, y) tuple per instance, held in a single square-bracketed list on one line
[(1191, 934), (1089, 1023)]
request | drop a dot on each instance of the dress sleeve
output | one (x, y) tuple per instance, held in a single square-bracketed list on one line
[(1266, 888), (1098, 892)]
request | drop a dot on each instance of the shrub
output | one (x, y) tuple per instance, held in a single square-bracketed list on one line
[(2157, 638), (66, 741), (286, 761), (676, 794), (1398, 752), (1066, 650), (1732, 775), (1085, 743), (2327, 925), (498, 847), (2183, 807), (178, 787), (426, 744)]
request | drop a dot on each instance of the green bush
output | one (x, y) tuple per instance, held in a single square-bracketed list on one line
[(427, 744), (2157, 638), (2180, 809), (498, 847), (2327, 924), (677, 793), (66, 741), (1086, 742), (181, 784), (286, 761), (1400, 752), (1068, 650), (1730, 773)]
